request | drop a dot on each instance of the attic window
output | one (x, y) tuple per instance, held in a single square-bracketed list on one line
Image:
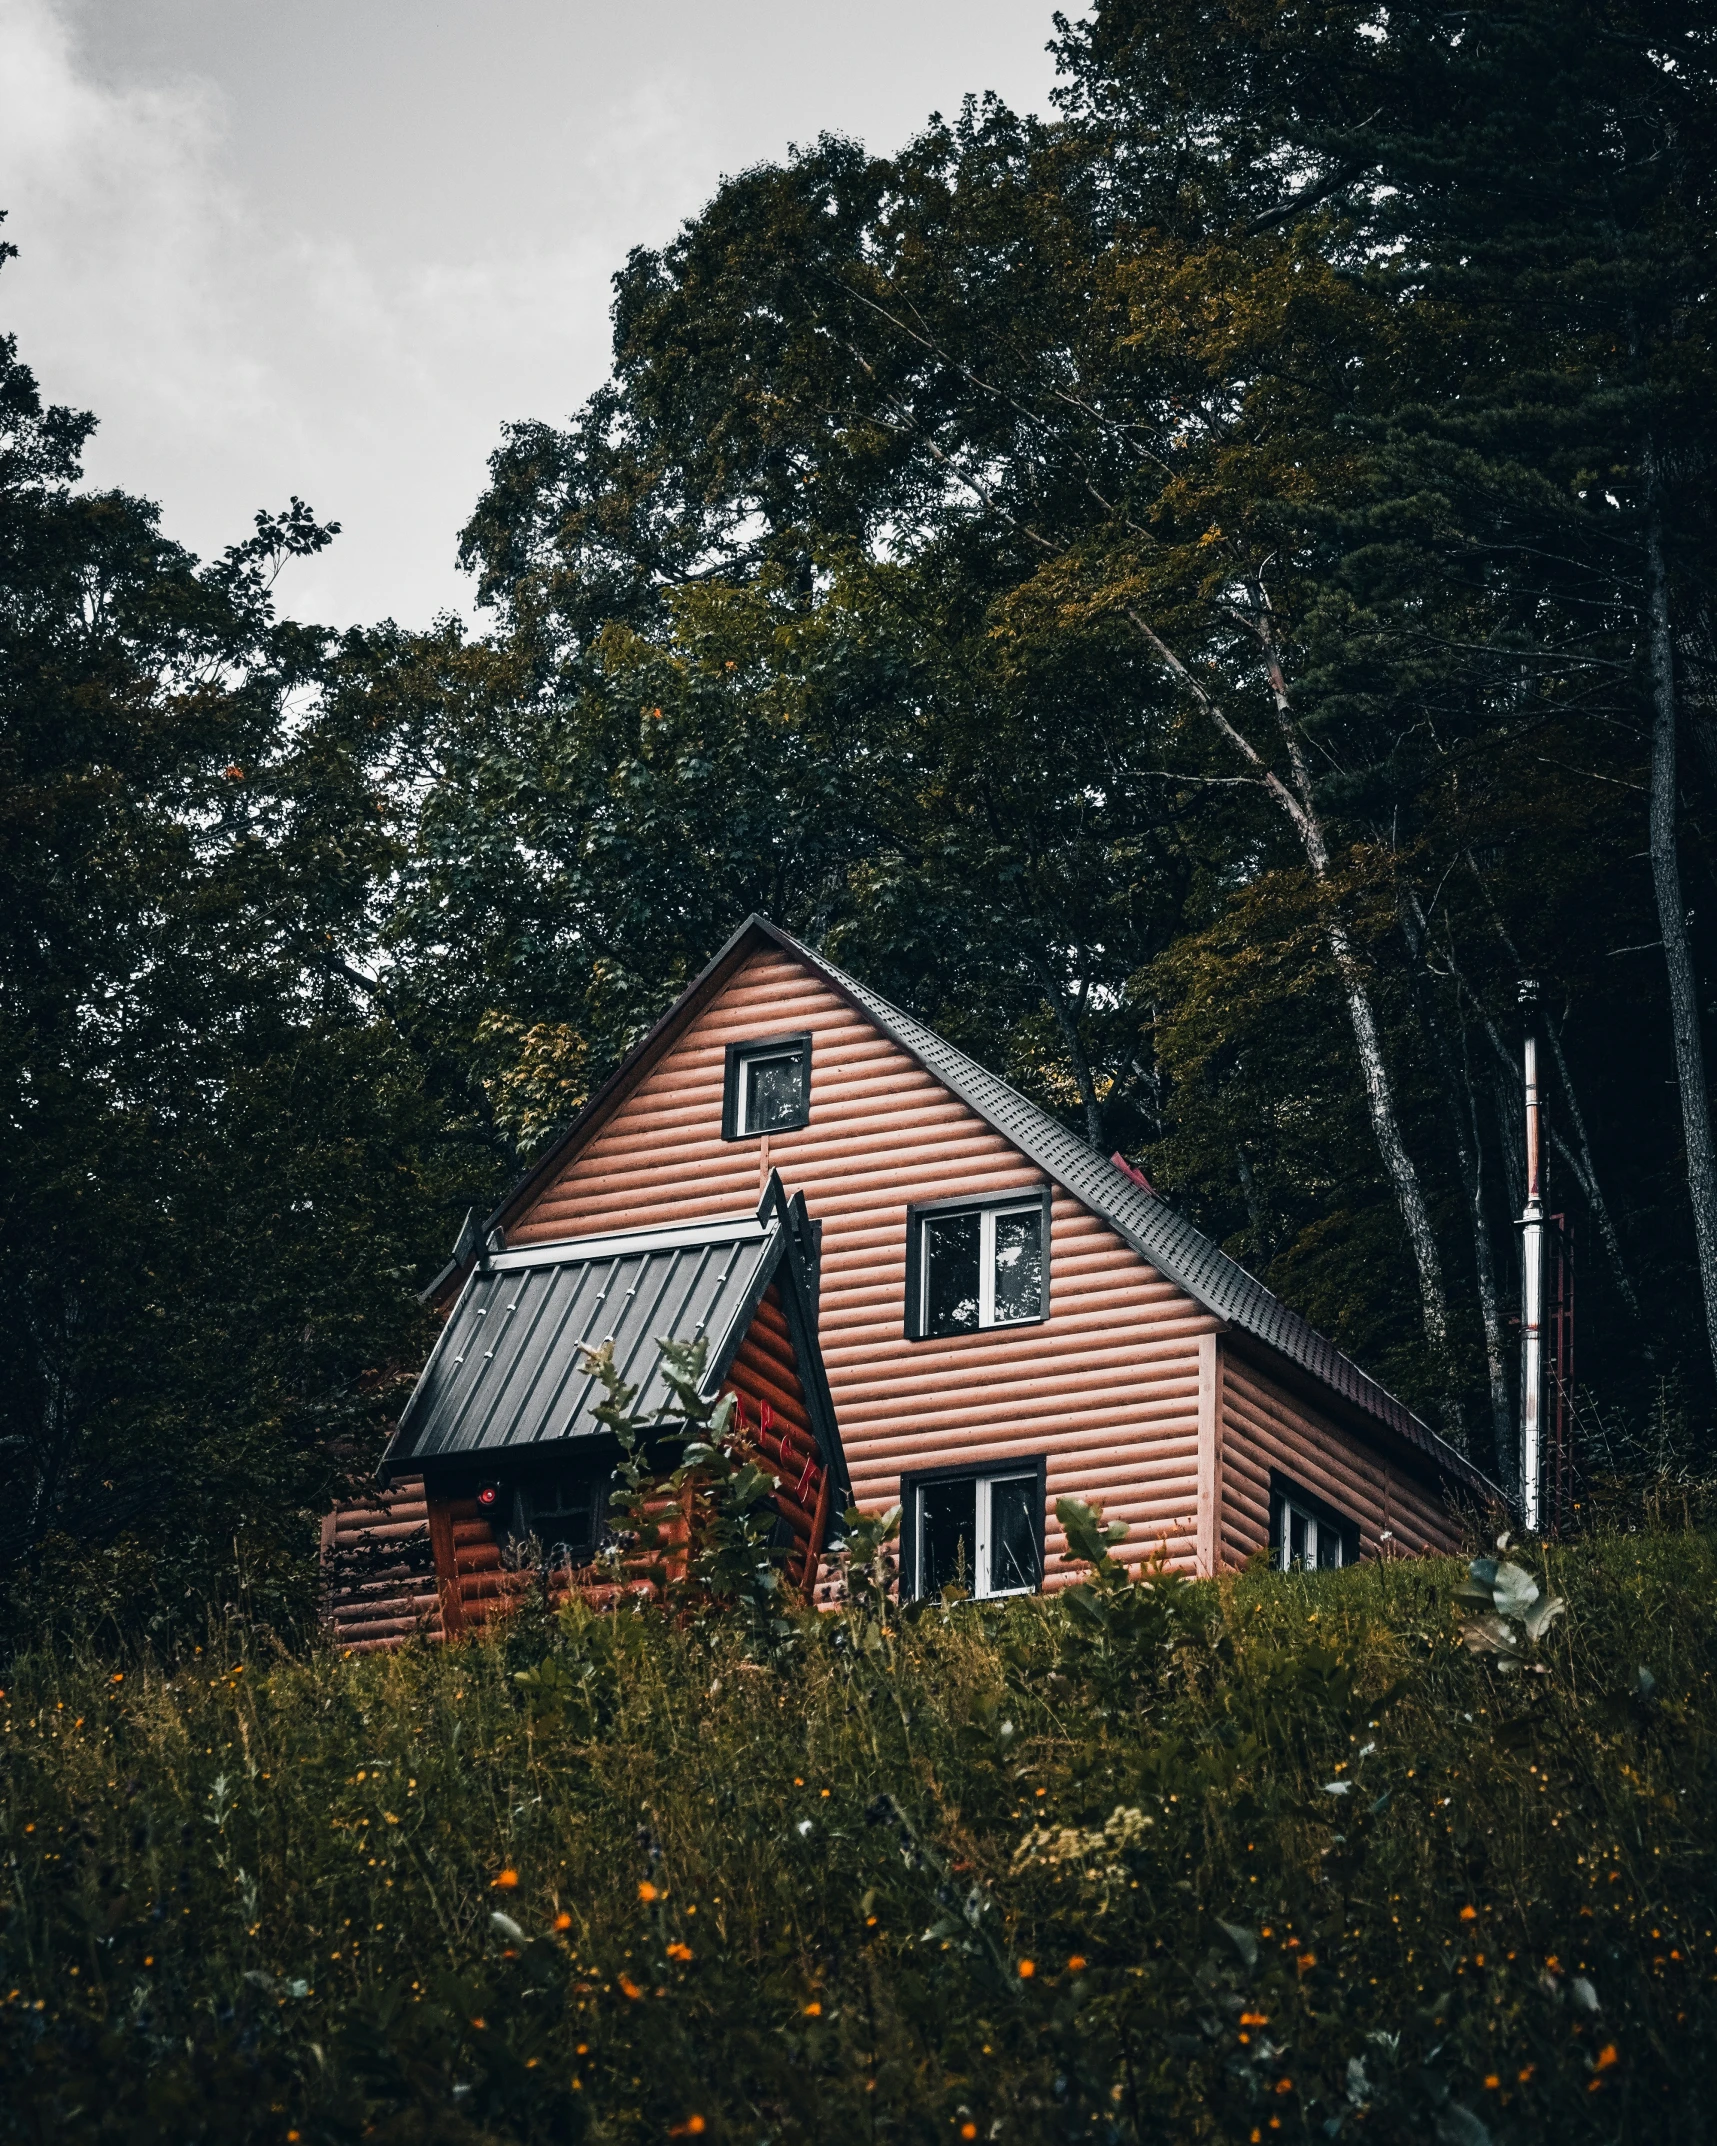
[(975, 1266), (768, 1087)]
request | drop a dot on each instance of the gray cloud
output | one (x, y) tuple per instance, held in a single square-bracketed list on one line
[(330, 249)]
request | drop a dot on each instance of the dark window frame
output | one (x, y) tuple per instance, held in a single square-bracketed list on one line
[(524, 1487), (761, 1047), (913, 1480), (971, 1203), (1285, 1490)]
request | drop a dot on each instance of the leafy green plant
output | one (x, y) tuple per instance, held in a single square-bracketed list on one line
[(693, 1513), (1120, 1625), (578, 1680), (866, 1577), (1504, 1613)]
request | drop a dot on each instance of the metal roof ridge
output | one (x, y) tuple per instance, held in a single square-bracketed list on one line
[(613, 1244), (1049, 1144)]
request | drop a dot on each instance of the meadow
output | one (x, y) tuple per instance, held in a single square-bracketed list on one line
[(1273, 1857)]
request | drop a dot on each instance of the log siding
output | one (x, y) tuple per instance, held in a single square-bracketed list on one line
[(1108, 1385), (1267, 1429)]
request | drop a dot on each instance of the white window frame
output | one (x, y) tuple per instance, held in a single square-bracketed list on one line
[(762, 1055), (1316, 1532), (982, 1486), (988, 1217)]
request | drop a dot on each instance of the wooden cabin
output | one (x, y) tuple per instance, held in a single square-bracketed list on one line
[(994, 1316)]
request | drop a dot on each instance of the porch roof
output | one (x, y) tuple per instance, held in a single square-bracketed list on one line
[(511, 1372)]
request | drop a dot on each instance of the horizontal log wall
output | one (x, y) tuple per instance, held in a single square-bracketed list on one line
[(482, 1586), (765, 1377), (1107, 1388), (378, 1577), (1266, 1427)]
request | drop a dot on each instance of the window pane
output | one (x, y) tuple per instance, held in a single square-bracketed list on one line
[(1298, 1527), (566, 1517), (774, 1091), (1019, 1266), (1013, 1534), (947, 1536), (1329, 1549), (951, 1275)]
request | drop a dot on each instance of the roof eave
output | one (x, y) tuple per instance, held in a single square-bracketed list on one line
[(1430, 1456)]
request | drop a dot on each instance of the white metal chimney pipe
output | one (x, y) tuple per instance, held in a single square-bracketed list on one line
[(1532, 1280)]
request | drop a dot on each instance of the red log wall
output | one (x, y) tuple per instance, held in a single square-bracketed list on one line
[(1108, 1388), (1265, 1427)]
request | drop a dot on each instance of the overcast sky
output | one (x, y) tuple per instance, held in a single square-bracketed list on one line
[(329, 246)]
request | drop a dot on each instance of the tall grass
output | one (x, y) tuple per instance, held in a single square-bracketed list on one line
[(1285, 1863)]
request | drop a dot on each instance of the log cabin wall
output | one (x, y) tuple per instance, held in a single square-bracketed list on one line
[(478, 1585), (764, 1377), (1267, 1427), (378, 1574), (1108, 1388)]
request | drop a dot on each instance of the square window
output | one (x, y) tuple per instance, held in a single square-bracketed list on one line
[(980, 1268), (979, 1533), (566, 1514), (768, 1088)]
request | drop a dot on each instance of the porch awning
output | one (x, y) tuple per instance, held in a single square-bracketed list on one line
[(510, 1370)]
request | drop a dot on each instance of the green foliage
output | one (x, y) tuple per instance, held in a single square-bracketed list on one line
[(1121, 1625), (693, 1514), (1339, 1871), (222, 1167), (867, 1577), (577, 1682), (1504, 1612)]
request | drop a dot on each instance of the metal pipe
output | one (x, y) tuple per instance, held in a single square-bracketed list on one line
[(1532, 1279)]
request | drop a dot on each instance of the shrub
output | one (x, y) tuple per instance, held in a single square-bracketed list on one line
[(1285, 1859)]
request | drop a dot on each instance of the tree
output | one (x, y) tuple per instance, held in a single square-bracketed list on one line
[(219, 1162)]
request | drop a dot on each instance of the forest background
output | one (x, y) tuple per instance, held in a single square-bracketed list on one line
[(1195, 597)]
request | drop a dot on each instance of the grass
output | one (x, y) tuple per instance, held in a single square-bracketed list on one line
[(995, 1874)]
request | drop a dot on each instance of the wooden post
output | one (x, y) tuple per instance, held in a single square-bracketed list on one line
[(819, 1534), (446, 1568), (1209, 1456)]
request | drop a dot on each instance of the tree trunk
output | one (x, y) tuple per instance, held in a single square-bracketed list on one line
[(1490, 1301), (1075, 1051), (1398, 1164), (1298, 804), (1672, 919), (1469, 1161)]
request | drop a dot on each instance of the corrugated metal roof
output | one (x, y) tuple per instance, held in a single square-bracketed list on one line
[(1149, 1224), (509, 1370)]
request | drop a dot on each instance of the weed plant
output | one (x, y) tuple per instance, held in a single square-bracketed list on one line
[(1270, 1858)]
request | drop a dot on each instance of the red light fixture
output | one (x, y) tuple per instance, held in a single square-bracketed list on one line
[(488, 1494)]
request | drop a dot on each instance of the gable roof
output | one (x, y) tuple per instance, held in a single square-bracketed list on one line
[(1144, 1221), (509, 1370)]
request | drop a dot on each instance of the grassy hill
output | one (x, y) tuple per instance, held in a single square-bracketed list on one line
[(1274, 1858)]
